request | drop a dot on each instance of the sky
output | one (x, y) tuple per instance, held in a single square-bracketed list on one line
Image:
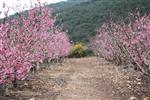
[(12, 5)]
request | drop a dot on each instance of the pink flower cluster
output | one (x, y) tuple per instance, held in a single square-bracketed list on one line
[(125, 43), (29, 38)]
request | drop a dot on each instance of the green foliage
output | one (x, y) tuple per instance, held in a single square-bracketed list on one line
[(89, 52), (81, 17), (78, 50)]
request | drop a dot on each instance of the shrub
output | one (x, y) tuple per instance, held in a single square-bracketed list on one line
[(78, 50)]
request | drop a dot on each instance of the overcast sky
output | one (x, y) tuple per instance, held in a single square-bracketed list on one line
[(13, 3)]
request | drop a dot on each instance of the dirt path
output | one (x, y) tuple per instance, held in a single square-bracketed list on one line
[(83, 79), (86, 81)]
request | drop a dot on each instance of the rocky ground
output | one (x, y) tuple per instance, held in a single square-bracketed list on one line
[(83, 79)]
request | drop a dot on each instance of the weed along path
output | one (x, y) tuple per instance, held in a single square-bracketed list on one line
[(84, 79)]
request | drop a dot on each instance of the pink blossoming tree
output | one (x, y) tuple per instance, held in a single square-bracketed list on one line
[(29, 38), (125, 43)]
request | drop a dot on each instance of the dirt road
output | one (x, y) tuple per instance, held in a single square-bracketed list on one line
[(83, 79)]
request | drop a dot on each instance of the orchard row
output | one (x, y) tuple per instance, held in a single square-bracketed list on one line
[(28, 39), (126, 42)]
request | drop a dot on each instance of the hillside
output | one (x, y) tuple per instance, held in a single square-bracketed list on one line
[(81, 18)]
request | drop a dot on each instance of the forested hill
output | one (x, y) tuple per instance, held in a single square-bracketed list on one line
[(61, 6), (81, 18)]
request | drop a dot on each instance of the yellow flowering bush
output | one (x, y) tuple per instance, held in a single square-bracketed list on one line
[(78, 50)]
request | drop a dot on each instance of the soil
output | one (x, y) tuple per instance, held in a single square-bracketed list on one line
[(83, 79)]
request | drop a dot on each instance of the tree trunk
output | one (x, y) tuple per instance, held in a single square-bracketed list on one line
[(37, 66)]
